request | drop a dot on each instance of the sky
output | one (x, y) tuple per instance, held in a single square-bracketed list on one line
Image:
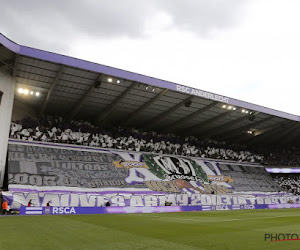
[(243, 49)]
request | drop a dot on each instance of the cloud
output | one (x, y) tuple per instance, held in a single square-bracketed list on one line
[(56, 24), (201, 16)]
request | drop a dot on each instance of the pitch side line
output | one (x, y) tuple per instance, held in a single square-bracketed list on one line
[(188, 219)]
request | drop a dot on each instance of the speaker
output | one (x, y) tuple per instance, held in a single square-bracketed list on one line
[(188, 104), (251, 116), (97, 84)]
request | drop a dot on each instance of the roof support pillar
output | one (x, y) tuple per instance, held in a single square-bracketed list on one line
[(143, 107), (55, 81), (151, 123), (198, 128), (107, 112), (79, 104), (175, 126)]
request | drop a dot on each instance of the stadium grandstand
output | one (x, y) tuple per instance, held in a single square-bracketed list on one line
[(87, 136)]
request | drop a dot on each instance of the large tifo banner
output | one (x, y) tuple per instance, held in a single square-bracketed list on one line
[(77, 176)]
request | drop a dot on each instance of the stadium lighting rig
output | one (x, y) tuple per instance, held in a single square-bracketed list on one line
[(28, 92), (229, 107), (110, 80), (244, 111), (252, 132), (153, 88)]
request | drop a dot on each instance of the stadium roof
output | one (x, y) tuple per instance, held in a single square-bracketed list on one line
[(90, 91)]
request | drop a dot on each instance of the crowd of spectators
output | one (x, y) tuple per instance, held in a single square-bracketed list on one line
[(281, 156), (58, 130), (289, 183)]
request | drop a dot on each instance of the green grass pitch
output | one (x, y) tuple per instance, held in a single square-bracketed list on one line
[(244, 229)]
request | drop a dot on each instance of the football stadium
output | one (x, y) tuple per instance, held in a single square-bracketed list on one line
[(96, 157)]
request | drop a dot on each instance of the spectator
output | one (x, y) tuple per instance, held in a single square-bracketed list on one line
[(58, 130), (289, 183), (4, 207), (29, 203)]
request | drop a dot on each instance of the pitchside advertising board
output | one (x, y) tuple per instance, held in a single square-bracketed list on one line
[(72, 176), (159, 209)]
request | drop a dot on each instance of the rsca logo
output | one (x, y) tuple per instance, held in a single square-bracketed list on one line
[(222, 207), (63, 210)]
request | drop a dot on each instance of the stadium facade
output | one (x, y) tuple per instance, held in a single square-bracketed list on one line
[(74, 88)]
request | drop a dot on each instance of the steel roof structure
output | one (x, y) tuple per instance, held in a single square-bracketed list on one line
[(80, 89)]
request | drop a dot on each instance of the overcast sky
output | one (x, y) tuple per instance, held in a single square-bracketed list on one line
[(244, 49)]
